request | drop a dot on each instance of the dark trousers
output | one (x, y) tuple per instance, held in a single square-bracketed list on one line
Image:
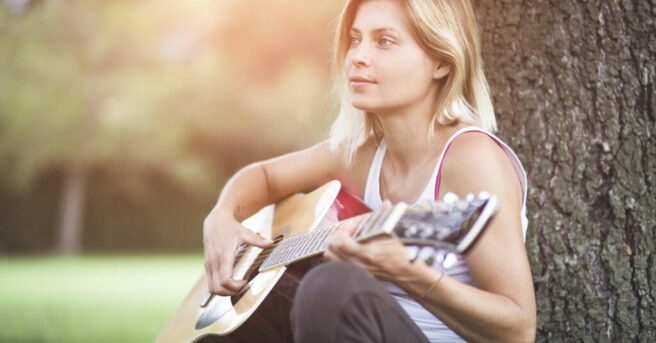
[(333, 302)]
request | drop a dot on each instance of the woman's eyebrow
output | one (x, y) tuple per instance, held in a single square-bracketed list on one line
[(377, 30)]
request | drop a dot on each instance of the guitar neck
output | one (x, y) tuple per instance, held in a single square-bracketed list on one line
[(311, 243)]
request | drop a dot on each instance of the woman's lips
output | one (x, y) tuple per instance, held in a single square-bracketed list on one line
[(358, 82)]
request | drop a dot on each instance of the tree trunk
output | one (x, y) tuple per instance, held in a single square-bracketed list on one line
[(72, 210), (573, 85)]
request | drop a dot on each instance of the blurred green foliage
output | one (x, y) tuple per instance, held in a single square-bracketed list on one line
[(159, 101)]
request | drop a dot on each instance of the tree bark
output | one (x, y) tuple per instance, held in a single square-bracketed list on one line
[(72, 210), (573, 85)]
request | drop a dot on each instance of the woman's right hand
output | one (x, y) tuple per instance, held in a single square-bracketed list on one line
[(222, 236)]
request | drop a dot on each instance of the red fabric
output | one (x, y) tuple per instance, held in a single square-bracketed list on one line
[(348, 205)]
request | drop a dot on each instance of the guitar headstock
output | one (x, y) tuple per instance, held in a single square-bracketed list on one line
[(433, 229)]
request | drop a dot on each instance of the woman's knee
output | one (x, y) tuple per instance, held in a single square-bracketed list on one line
[(333, 278), (322, 295), (329, 287)]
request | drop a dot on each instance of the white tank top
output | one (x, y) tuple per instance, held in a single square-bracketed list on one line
[(431, 326)]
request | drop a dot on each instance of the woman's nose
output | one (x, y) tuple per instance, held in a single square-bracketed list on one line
[(361, 58)]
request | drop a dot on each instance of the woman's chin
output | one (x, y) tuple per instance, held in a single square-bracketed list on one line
[(363, 106)]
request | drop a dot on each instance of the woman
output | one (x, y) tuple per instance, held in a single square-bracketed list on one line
[(415, 120)]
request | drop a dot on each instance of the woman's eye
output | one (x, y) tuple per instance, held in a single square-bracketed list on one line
[(385, 42), (354, 41)]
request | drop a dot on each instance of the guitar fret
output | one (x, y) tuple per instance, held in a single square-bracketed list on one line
[(294, 247), (318, 244), (376, 222), (279, 252), (313, 242), (286, 249), (361, 223), (309, 243), (289, 252), (370, 223), (316, 241), (326, 235), (304, 241)]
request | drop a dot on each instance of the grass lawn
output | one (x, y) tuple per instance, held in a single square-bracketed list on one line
[(92, 298)]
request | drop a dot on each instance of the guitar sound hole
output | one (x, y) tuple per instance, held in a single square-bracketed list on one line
[(252, 270)]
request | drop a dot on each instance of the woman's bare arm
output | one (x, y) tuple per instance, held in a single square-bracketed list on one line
[(502, 308), (250, 189)]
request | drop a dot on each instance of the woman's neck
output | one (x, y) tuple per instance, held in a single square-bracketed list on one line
[(406, 133)]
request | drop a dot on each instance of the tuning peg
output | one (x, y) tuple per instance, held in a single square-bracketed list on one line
[(426, 232), (411, 231), (450, 198), (412, 251), (462, 205), (470, 197), (442, 206), (426, 253), (450, 260), (483, 195)]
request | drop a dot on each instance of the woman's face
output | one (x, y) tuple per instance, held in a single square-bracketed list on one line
[(386, 68)]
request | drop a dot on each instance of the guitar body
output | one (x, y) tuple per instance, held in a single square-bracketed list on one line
[(294, 215)]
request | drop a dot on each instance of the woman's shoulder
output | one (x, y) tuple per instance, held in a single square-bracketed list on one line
[(473, 141), (478, 151), (467, 141), (477, 161)]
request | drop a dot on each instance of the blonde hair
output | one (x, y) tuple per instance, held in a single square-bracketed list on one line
[(448, 31)]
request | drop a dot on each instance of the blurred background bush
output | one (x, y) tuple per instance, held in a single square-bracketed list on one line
[(120, 121)]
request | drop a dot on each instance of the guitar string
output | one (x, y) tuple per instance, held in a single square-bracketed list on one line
[(276, 242), (361, 223), (258, 261), (358, 219), (270, 250)]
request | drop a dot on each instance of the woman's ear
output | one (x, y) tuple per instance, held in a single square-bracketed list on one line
[(441, 71)]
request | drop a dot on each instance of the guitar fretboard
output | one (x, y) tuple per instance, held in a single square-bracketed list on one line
[(311, 243)]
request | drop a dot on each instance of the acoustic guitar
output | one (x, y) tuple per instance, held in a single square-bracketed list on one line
[(300, 226)]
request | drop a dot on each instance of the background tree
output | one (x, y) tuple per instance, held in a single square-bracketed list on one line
[(573, 85), (123, 118), (80, 92)]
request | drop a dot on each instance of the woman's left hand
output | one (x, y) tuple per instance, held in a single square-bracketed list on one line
[(384, 257)]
